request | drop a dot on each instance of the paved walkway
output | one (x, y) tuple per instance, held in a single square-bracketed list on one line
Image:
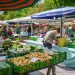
[(60, 70)]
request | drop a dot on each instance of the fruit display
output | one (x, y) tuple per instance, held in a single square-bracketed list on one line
[(39, 55), (25, 48), (35, 61), (17, 45), (19, 50), (26, 59), (19, 61)]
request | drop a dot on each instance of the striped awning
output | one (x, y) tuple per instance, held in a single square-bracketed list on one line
[(15, 4)]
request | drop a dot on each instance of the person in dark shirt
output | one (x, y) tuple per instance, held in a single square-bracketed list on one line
[(18, 30), (29, 31), (4, 32)]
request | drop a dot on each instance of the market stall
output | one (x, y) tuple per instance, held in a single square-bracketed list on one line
[(55, 13), (70, 51), (59, 13), (22, 58)]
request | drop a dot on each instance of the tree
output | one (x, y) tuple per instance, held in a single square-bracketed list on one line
[(60, 3)]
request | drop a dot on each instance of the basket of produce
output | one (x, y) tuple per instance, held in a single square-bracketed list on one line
[(5, 69), (17, 45), (18, 51), (30, 62)]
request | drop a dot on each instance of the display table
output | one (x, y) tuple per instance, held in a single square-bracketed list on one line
[(70, 62)]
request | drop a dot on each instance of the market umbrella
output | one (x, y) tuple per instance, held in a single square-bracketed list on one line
[(15, 4), (59, 12)]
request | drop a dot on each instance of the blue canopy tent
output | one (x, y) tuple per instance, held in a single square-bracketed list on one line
[(57, 13)]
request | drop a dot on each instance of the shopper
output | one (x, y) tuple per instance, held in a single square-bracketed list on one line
[(4, 32), (50, 38), (71, 32), (29, 31), (10, 32), (18, 30)]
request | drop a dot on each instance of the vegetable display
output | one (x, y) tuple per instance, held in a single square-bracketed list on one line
[(7, 44), (24, 60)]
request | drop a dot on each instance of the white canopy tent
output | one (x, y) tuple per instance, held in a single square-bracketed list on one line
[(28, 18)]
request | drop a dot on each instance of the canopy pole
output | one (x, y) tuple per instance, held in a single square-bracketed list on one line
[(61, 24)]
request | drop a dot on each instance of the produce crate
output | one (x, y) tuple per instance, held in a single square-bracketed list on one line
[(56, 59), (14, 53), (31, 67), (71, 44), (59, 57), (45, 64), (5, 69)]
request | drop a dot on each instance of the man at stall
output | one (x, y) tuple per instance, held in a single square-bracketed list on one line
[(71, 32), (50, 38), (29, 31)]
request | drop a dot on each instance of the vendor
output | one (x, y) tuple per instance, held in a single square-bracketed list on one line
[(5, 32), (71, 32), (29, 31), (50, 38)]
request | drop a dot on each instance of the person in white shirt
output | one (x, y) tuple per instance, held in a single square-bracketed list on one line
[(50, 38)]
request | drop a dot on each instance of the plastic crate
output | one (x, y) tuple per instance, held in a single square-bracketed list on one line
[(25, 69), (71, 44), (30, 67), (14, 53), (45, 64), (5, 69), (59, 57)]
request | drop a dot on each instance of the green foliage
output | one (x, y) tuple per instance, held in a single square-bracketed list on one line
[(7, 44), (60, 3), (69, 2)]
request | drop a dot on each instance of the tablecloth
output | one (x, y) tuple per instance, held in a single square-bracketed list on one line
[(70, 62), (34, 43)]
